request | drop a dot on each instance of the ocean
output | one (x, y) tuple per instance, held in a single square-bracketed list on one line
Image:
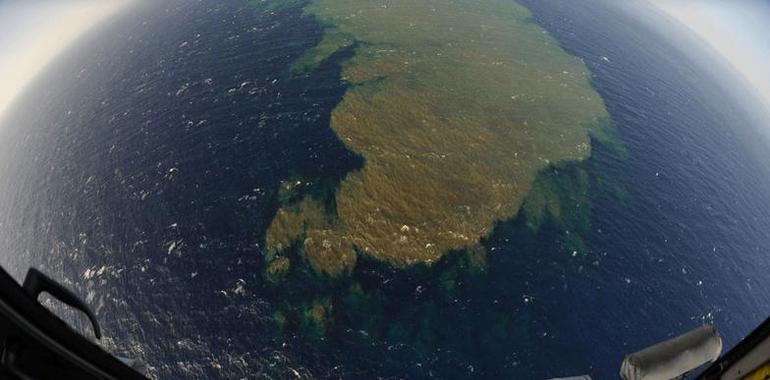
[(144, 167)]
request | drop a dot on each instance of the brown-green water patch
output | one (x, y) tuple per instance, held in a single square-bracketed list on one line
[(455, 107), (467, 303), (474, 304)]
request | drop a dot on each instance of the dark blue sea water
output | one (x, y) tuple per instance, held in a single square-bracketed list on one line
[(142, 170), (691, 243)]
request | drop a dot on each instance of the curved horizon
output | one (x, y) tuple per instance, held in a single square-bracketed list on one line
[(32, 34), (737, 30)]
